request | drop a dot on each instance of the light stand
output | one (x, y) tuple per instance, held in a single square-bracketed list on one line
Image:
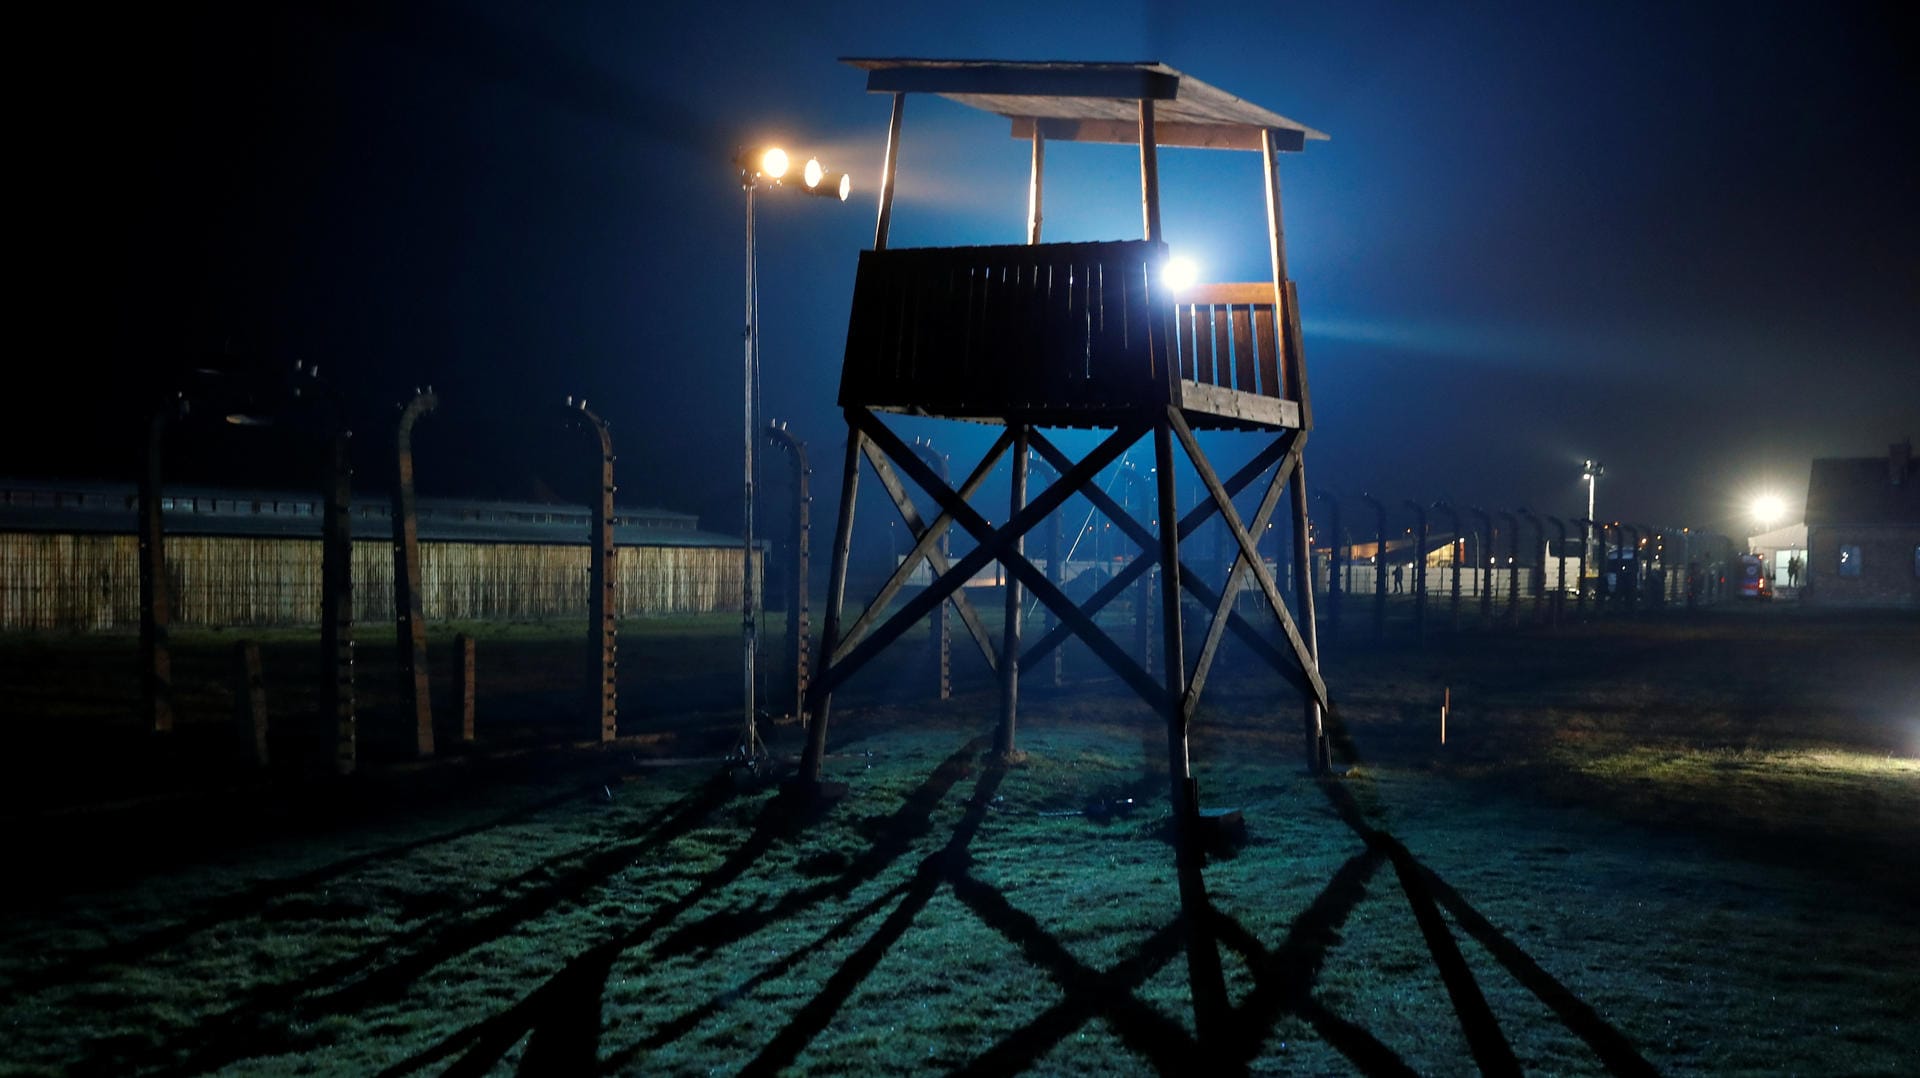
[(760, 167)]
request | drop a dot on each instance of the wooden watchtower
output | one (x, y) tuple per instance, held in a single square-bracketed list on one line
[(1082, 335)]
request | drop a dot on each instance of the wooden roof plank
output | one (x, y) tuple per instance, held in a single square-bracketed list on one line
[(1130, 83), (1186, 135), (1101, 100)]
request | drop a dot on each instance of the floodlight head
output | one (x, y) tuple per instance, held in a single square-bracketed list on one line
[(813, 172), (1180, 273), (832, 185), (762, 162)]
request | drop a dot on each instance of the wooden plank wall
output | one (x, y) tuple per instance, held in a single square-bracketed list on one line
[(83, 583)]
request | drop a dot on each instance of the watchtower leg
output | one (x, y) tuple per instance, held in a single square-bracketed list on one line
[(1004, 745), (1204, 974), (822, 699), (1318, 757)]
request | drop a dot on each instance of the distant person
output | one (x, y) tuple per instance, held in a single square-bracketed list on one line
[(1793, 571), (1399, 576)]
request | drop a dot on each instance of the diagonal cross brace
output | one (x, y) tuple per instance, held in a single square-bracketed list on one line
[(1286, 665), (1235, 578), (1221, 498), (991, 546), (995, 544), (1133, 570), (927, 538)]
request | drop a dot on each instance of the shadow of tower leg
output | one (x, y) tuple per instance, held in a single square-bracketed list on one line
[(1210, 1011)]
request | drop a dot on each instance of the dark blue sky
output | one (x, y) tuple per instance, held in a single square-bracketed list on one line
[(1679, 238)]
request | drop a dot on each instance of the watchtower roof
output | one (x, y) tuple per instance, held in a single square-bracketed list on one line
[(1072, 101)]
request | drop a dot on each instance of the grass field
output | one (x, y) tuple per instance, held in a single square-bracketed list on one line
[(1681, 846)]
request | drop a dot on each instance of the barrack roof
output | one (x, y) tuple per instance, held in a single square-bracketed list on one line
[(1090, 102)]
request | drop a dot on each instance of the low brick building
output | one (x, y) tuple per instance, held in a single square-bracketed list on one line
[(1863, 530)]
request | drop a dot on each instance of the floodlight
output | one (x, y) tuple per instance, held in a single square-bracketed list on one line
[(813, 172), (1180, 273), (773, 163), (832, 185)]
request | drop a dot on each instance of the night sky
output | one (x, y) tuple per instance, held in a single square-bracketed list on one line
[(1679, 238)]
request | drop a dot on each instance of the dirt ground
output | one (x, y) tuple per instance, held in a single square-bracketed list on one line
[(1679, 845)]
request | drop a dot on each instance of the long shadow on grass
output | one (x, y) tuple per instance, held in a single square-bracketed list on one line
[(247, 902), (893, 837), (947, 862), (561, 1018), (1426, 891), (1284, 977), (258, 1027)]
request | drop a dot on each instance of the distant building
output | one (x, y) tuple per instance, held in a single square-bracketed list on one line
[(1863, 529), (1778, 547), (69, 559)]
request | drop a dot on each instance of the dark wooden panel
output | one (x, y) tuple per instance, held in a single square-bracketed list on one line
[(1267, 342), (1222, 374), (1243, 370), (989, 331)]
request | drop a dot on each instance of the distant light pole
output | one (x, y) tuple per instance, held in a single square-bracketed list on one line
[(1593, 470), (765, 167)]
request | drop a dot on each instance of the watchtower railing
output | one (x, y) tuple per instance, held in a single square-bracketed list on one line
[(1047, 331), (1230, 335)]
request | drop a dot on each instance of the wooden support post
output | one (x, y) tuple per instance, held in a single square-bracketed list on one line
[(336, 604), (1056, 572), (887, 170), (409, 622), (1149, 172), (1033, 186), (464, 682), (1318, 757), (156, 612), (249, 702), (1204, 975), (1005, 743)]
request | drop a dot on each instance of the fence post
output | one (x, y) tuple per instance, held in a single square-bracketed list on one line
[(603, 575), (336, 601), (1335, 562), (1513, 568), (1379, 566), (800, 538), (409, 622), (156, 612), (463, 684), (1419, 571), (1558, 605), (250, 701), (1483, 564)]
